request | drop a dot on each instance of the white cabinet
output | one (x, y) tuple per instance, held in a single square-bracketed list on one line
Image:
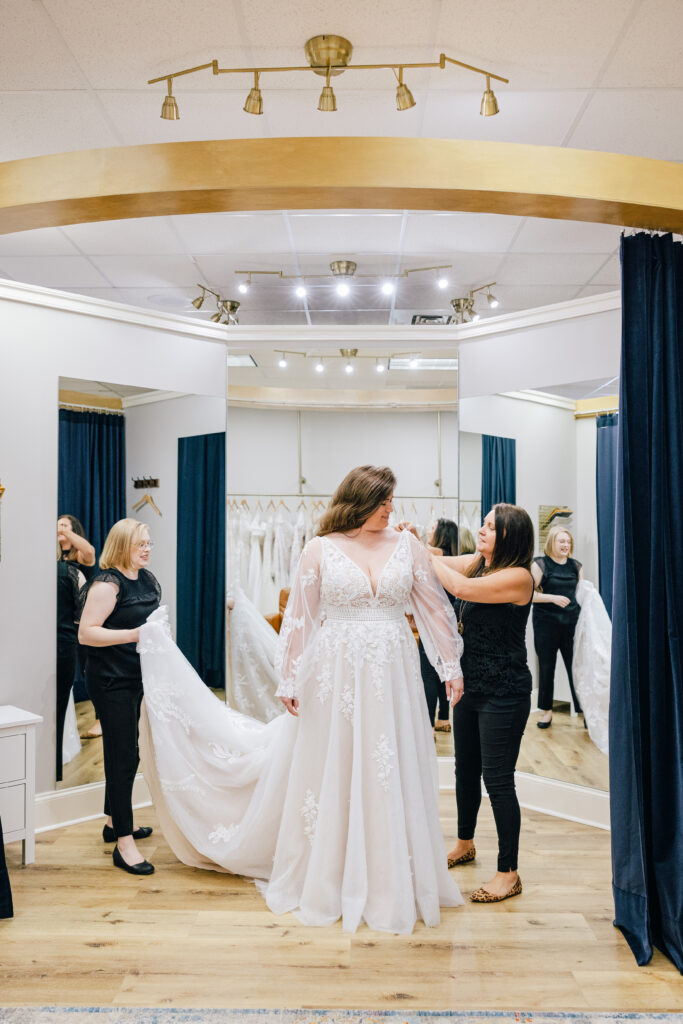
[(18, 777)]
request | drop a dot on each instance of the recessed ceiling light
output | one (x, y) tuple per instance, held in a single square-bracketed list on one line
[(343, 289)]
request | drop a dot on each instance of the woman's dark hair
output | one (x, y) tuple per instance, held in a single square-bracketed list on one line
[(514, 541), (76, 525), (445, 536), (359, 494)]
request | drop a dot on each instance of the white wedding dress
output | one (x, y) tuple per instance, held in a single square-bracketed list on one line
[(336, 811)]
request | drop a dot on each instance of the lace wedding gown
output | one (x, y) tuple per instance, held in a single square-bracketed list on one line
[(335, 811)]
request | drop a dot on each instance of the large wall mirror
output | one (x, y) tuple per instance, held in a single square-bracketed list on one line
[(158, 457)]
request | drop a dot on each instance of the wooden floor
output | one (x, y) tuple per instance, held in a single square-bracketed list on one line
[(564, 752), (88, 765), (86, 933)]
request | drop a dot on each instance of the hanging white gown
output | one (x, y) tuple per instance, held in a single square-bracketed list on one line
[(253, 588), (297, 543), (282, 547), (253, 643), (591, 663), (71, 741), (268, 593), (337, 809)]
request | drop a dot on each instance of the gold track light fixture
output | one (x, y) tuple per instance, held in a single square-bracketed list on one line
[(341, 271), (226, 309), (330, 55), (464, 307)]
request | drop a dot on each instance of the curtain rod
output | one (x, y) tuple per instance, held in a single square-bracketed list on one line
[(91, 408)]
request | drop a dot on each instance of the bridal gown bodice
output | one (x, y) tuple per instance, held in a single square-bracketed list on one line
[(335, 810)]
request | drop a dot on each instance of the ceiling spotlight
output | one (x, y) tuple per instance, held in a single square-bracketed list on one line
[(327, 101), (492, 301), (243, 287), (199, 301), (169, 108), (282, 362), (343, 289), (404, 97), (388, 288), (414, 363), (348, 368), (215, 317), (442, 283), (300, 292), (476, 317), (319, 368), (489, 103), (254, 101), (380, 366)]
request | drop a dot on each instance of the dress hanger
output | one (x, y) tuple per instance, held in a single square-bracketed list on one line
[(146, 499)]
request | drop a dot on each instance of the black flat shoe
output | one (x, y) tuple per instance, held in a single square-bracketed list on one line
[(144, 868), (109, 835), (544, 725)]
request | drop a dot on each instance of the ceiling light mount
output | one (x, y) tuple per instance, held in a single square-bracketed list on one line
[(464, 307), (343, 268), (226, 309), (328, 55)]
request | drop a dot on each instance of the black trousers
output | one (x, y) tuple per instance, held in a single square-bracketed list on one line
[(118, 705), (66, 667), (6, 908), (435, 690), (549, 638), (487, 732)]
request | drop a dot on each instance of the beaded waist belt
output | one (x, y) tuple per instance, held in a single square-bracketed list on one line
[(391, 614)]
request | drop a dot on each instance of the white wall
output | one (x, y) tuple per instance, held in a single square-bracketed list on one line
[(152, 433), (90, 340)]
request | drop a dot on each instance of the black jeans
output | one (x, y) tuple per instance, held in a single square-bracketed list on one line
[(118, 705), (549, 638), (487, 732), (435, 690), (66, 666)]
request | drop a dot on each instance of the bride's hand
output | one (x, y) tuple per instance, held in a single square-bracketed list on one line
[(454, 690), (292, 705)]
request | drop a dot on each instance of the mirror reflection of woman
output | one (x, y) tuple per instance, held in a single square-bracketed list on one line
[(69, 582), (119, 599), (495, 589), (443, 540), (556, 611), (74, 545)]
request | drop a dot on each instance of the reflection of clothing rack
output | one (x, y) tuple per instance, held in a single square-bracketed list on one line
[(282, 494)]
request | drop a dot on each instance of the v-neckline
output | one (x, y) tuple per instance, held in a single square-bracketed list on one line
[(363, 573)]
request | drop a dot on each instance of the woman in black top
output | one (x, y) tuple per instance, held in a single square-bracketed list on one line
[(555, 615), (119, 600), (69, 582), (443, 541), (75, 549), (495, 588)]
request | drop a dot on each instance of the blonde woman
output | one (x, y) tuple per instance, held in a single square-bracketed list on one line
[(556, 611), (119, 600)]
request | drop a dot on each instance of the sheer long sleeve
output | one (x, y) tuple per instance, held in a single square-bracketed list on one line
[(434, 616), (301, 620)]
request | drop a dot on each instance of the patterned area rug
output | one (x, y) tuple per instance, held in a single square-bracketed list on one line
[(140, 1015)]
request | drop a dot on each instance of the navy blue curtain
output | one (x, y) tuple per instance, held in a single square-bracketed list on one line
[(200, 598), (92, 471), (605, 494), (498, 471), (646, 706)]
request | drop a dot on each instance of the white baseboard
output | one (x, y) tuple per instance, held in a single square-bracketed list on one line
[(82, 803), (549, 796)]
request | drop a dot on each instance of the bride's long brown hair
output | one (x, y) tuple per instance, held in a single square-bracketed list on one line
[(361, 492)]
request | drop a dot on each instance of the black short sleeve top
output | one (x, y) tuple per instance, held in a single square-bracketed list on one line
[(558, 579), (135, 601)]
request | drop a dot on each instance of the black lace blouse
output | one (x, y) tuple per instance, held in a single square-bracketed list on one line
[(494, 661), (135, 600)]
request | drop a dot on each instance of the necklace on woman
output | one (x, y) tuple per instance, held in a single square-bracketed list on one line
[(461, 627)]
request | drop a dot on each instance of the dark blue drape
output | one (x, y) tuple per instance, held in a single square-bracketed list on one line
[(646, 706), (92, 471), (605, 494), (200, 596), (498, 472)]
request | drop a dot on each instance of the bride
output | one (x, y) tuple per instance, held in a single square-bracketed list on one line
[(332, 808)]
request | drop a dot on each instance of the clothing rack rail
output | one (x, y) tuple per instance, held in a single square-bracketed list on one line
[(296, 494)]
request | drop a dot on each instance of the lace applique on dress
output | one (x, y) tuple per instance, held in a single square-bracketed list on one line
[(221, 834), (230, 755), (309, 812), (382, 756), (346, 703), (185, 785), (165, 703), (324, 683)]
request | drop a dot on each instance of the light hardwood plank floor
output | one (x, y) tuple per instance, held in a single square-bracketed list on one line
[(86, 933)]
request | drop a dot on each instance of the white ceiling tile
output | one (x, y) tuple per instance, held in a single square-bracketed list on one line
[(147, 271), (36, 123), (346, 232), (565, 236), (52, 271), (595, 289), (233, 233), (549, 269), (535, 44), (651, 52), (462, 232), (122, 237), (531, 296), (32, 53), (609, 274), (640, 123), (534, 118), (40, 242)]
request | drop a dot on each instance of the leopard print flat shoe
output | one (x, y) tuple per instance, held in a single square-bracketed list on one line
[(466, 858), (483, 896)]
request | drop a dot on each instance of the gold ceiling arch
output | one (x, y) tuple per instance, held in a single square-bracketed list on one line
[(340, 173)]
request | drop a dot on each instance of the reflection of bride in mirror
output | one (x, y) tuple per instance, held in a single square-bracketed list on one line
[(334, 806)]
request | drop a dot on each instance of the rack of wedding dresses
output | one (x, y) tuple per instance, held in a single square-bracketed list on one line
[(267, 533)]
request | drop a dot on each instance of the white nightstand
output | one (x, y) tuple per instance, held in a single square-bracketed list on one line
[(18, 777)]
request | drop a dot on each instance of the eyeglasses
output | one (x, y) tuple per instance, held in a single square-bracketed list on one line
[(144, 545)]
